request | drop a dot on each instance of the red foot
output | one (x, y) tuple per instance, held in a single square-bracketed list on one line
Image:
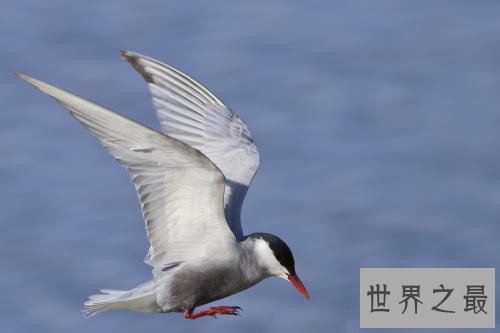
[(213, 312)]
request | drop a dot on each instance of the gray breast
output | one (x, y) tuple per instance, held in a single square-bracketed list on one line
[(193, 286)]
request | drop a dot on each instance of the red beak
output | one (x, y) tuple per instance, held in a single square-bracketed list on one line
[(294, 279)]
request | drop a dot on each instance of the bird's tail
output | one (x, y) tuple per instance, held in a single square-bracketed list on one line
[(141, 298), (103, 302)]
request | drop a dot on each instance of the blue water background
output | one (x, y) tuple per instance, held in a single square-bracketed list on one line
[(378, 123)]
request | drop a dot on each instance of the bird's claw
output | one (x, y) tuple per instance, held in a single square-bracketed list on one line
[(237, 311), (227, 310)]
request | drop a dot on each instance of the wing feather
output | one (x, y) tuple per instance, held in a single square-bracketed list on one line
[(190, 113), (180, 189)]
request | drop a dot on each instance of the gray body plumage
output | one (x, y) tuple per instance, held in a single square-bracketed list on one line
[(197, 283), (186, 286)]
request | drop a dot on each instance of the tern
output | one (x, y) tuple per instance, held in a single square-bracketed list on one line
[(191, 180)]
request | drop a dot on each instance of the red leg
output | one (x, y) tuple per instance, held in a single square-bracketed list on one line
[(213, 312)]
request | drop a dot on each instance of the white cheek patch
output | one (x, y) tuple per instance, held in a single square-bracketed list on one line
[(266, 259)]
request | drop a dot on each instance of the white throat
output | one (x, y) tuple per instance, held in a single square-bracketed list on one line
[(259, 260)]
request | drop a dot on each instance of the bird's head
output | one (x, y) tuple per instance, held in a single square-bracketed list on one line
[(274, 256)]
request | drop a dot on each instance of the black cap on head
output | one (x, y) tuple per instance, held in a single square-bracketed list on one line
[(280, 250)]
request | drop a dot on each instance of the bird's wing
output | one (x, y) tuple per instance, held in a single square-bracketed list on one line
[(180, 190), (190, 113)]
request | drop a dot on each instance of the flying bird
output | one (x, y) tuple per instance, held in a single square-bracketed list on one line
[(191, 180)]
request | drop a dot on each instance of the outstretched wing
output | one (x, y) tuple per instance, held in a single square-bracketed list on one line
[(190, 113), (180, 190)]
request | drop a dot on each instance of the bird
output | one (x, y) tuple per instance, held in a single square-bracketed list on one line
[(191, 179)]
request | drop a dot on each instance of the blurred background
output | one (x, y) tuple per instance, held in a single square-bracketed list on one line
[(378, 124)]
